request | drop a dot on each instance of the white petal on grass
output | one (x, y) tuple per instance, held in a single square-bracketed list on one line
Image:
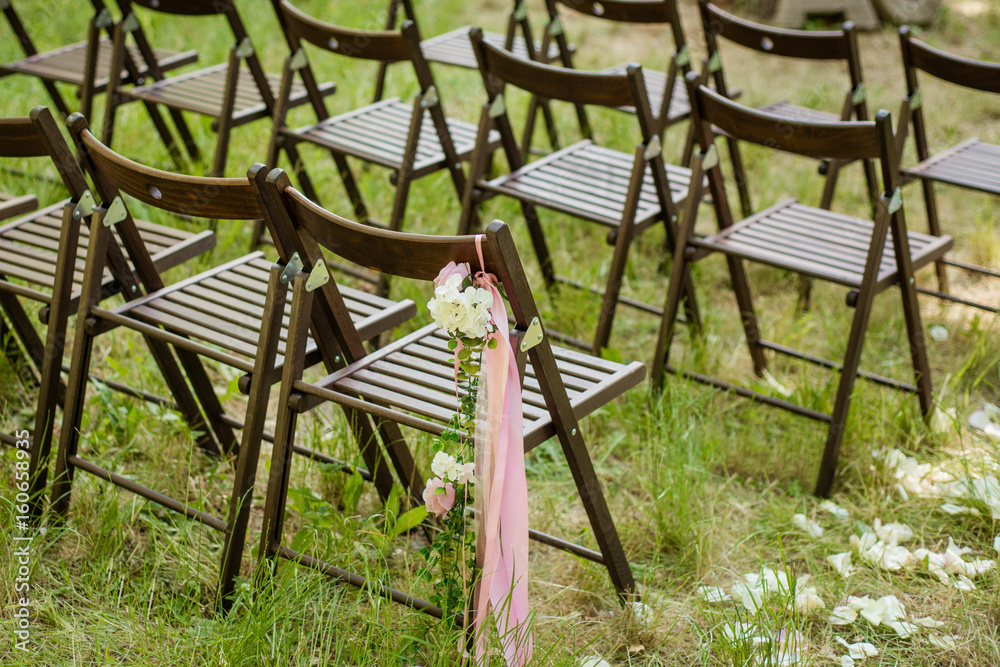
[(902, 628), (836, 510), (928, 622), (964, 583), (808, 601), (894, 533), (642, 612), (885, 610), (938, 333), (773, 383), (940, 641), (841, 563), (996, 544), (843, 615), (944, 421), (595, 661), (859, 650), (807, 525), (955, 510), (846, 661), (751, 597), (713, 594), (864, 542)]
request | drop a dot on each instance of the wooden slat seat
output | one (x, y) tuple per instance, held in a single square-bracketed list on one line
[(414, 376), (454, 48), (224, 308), (29, 249), (819, 243), (204, 92), (378, 133), (656, 84), (971, 164), (67, 64), (14, 205), (590, 181)]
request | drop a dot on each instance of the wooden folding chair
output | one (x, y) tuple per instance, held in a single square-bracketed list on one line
[(40, 262), (454, 48), (412, 139), (866, 257), (666, 91), (231, 314), (409, 382), (232, 93), (626, 193), (825, 46), (970, 164)]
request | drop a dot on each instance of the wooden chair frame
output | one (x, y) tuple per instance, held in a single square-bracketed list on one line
[(550, 410), (39, 252), (826, 45), (947, 166), (417, 151), (85, 64), (245, 95), (208, 316), (796, 238), (593, 191)]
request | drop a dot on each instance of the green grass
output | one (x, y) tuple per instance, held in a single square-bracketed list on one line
[(702, 485)]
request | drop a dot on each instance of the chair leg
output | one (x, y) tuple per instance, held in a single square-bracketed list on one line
[(739, 173), (538, 243), (616, 272), (918, 348), (28, 364), (17, 359), (842, 403), (934, 227)]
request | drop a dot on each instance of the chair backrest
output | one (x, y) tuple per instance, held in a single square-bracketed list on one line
[(379, 45), (802, 44), (650, 12), (38, 135), (841, 140)]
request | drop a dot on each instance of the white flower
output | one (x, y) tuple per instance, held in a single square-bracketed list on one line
[(807, 525), (839, 512), (713, 594), (466, 313), (841, 563), (448, 468), (442, 464)]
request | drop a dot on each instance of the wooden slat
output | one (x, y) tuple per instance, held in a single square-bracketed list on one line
[(455, 48)]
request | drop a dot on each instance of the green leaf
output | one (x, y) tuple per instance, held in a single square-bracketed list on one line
[(409, 520)]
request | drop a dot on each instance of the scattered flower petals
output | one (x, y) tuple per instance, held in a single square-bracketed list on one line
[(996, 544), (773, 383), (902, 628), (846, 661), (841, 563), (859, 650), (928, 622), (837, 511), (595, 661), (938, 333), (954, 510), (808, 600), (807, 525), (895, 533), (964, 583), (713, 594), (843, 615), (886, 609), (983, 420), (642, 612), (751, 597), (945, 642), (944, 421)]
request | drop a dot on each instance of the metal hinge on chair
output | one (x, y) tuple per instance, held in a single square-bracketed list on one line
[(131, 23), (497, 107), (318, 277), (299, 60), (858, 96), (294, 266), (683, 57), (85, 206), (653, 148), (915, 100), (4, 4), (555, 27), (245, 48), (715, 63), (116, 213), (710, 159), (896, 202), (430, 98), (520, 12), (533, 336), (104, 19)]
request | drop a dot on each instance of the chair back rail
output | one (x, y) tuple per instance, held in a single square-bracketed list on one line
[(807, 44), (975, 74), (626, 11), (382, 45), (576, 87), (187, 7)]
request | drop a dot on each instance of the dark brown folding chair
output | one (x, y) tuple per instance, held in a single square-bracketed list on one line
[(231, 314), (233, 93), (40, 261), (865, 257), (412, 139), (409, 382), (85, 64), (826, 46), (666, 91), (625, 193), (971, 164)]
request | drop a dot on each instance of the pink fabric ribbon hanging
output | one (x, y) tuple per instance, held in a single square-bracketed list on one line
[(503, 585)]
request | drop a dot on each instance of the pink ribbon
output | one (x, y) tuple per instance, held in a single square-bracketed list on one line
[(503, 585)]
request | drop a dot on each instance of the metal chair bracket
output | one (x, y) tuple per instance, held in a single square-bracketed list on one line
[(497, 107), (683, 57), (318, 277), (555, 27), (131, 23), (710, 159), (915, 100), (4, 4), (858, 96), (103, 19), (116, 213), (653, 148), (896, 202), (520, 12), (299, 60), (715, 63), (245, 48), (533, 336), (429, 98), (294, 266), (85, 206)]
